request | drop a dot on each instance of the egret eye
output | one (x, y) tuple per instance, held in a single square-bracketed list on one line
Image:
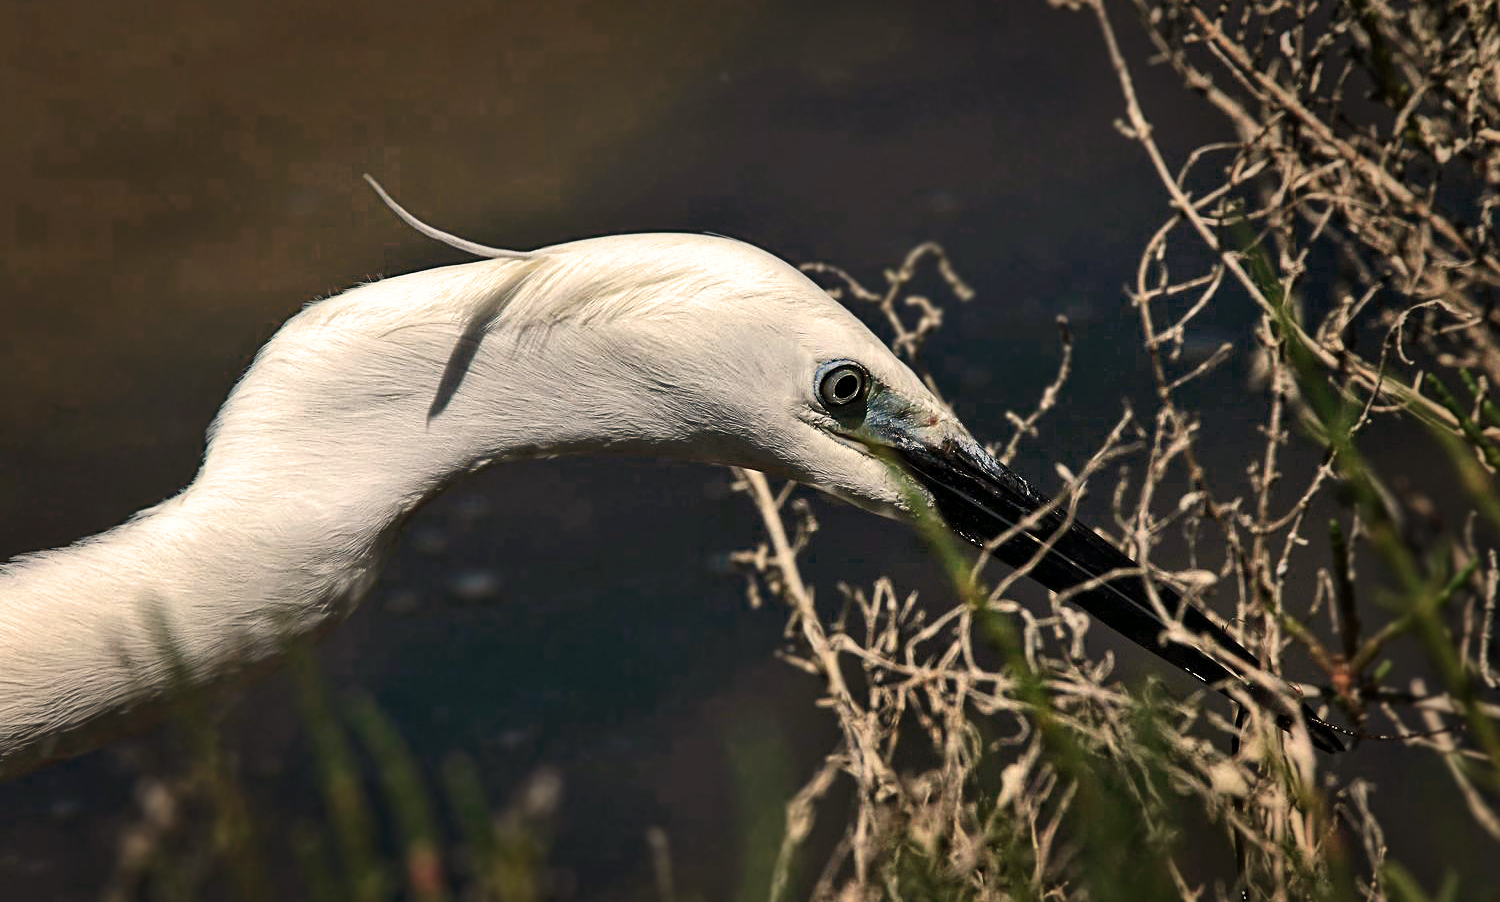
[(843, 386)]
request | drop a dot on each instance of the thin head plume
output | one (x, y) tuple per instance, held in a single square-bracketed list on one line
[(436, 234)]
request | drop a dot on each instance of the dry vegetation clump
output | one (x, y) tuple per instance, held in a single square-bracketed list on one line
[(1353, 202)]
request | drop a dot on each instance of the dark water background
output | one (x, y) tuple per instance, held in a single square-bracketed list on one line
[(179, 178)]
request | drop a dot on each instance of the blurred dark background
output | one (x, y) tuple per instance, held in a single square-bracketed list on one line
[(179, 178)]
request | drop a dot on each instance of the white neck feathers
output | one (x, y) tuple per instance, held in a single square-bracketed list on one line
[(361, 408)]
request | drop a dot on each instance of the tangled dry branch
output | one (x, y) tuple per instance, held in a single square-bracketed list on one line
[(1353, 201)]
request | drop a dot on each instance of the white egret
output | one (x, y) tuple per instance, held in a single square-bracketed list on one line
[(367, 404)]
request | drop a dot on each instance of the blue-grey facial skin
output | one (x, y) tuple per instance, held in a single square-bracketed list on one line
[(885, 418), (889, 423)]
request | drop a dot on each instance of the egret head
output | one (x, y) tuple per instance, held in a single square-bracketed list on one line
[(751, 363), (707, 348)]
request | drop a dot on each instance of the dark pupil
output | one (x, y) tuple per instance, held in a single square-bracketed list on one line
[(845, 387)]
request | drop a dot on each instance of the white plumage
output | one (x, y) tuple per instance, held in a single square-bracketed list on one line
[(367, 404)]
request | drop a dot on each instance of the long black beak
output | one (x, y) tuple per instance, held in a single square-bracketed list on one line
[(981, 499)]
